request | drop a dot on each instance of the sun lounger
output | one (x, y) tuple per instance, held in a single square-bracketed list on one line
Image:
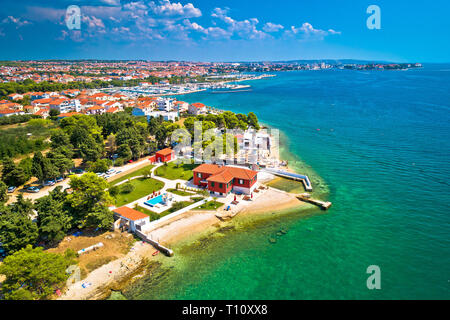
[(246, 198), (234, 202)]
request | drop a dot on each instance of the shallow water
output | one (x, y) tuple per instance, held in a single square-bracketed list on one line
[(382, 153)]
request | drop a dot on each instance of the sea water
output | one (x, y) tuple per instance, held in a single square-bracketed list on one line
[(380, 142)]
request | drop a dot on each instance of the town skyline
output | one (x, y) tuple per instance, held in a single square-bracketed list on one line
[(213, 31)]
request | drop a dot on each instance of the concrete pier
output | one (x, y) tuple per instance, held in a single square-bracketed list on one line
[(293, 176), (324, 205), (168, 252)]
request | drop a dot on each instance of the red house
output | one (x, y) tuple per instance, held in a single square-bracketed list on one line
[(164, 155), (224, 179)]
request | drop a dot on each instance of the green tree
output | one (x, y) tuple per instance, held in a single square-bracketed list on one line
[(16, 228), (3, 192), (54, 114), (59, 161), (88, 198), (39, 166), (253, 120), (26, 164), (101, 165), (53, 220), (33, 273), (13, 175), (124, 152), (59, 138)]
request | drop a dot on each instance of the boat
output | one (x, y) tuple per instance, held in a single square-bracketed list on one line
[(155, 253)]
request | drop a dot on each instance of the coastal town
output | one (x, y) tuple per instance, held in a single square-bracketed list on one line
[(95, 178), (102, 161)]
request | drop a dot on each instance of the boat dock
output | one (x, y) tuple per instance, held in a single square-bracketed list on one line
[(293, 176), (324, 205)]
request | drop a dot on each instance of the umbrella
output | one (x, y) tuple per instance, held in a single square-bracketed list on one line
[(251, 195), (234, 197)]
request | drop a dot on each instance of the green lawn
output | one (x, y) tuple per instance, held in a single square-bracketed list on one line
[(173, 171), (132, 174), (142, 187), (210, 205), (153, 215), (181, 192)]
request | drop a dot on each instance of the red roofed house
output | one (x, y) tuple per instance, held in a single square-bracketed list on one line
[(69, 114), (165, 155), (130, 218), (224, 179), (197, 108), (10, 112), (15, 96)]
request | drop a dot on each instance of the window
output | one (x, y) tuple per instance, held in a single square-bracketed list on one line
[(199, 175), (241, 181), (220, 185), (212, 184)]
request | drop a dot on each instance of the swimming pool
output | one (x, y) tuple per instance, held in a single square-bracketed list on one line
[(154, 201)]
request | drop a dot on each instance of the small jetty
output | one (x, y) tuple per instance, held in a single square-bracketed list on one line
[(168, 252), (306, 197), (293, 176)]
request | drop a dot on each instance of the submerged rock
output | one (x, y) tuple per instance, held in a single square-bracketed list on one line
[(272, 240)]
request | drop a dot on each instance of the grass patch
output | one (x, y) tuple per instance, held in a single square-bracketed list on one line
[(136, 173), (180, 192), (142, 187), (180, 205), (210, 205), (153, 215), (173, 171)]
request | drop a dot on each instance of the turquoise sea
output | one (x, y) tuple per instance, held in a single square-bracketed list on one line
[(383, 150)]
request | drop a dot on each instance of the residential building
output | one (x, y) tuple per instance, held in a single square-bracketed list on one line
[(197, 108), (129, 218), (164, 155), (222, 180)]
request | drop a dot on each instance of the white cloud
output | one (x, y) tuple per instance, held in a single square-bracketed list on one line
[(244, 28), (18, 22), (307, 31), (111, 2), (169, 9), (272, 27), (93, 22)]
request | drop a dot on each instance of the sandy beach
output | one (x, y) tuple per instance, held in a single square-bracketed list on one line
[(114, 275)]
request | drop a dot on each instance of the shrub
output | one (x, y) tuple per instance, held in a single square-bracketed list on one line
[(119, 162), (127, 188), (114, 191)]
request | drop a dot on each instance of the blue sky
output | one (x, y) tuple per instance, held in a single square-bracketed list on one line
[(226, 30)]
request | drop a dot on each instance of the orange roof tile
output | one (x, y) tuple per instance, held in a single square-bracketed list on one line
[(164, 152)]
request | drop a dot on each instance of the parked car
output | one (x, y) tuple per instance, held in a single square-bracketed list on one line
[(33, 189), (49, 183), (78, 171), (130, 161), (11, 189), (59, 179), (110, 171)]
